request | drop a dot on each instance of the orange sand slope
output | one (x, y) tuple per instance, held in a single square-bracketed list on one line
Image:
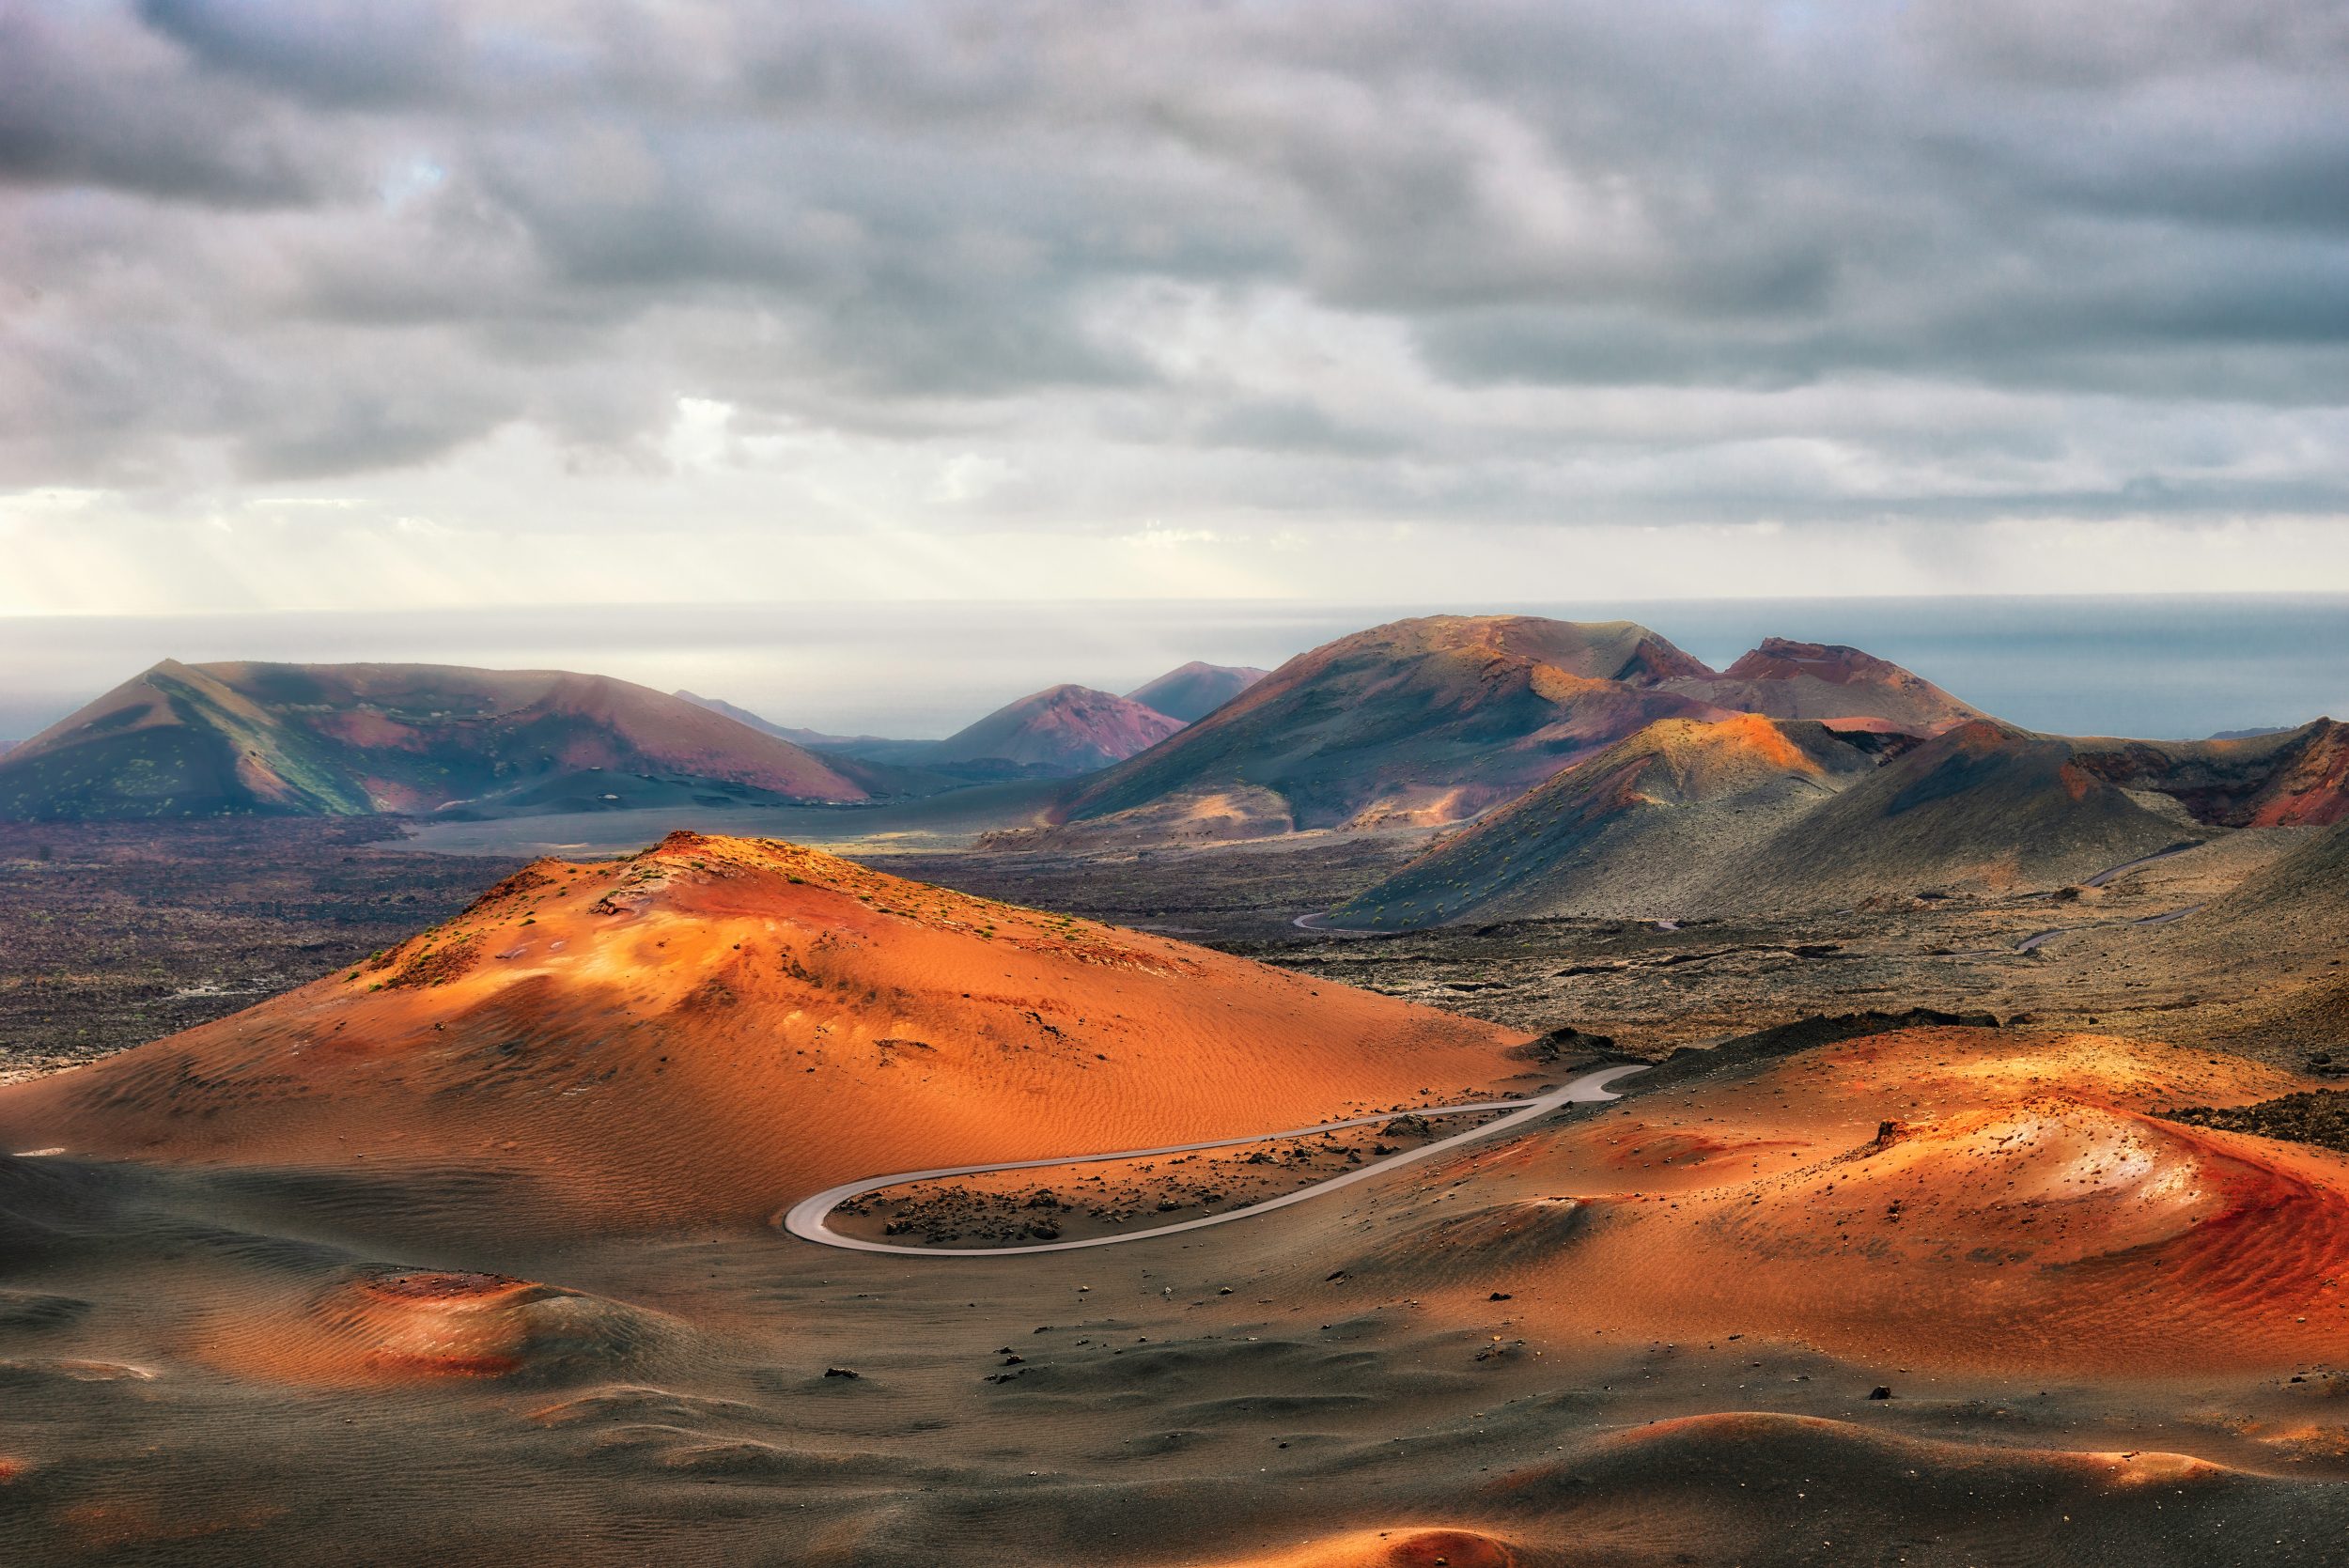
[(1955, 1198), (1389, 1548), (717, 1026)]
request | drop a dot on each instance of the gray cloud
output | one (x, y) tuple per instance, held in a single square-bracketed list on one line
[(335, 53), (1388, 259)]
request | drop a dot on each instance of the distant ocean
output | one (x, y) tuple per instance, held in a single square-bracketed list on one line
[(2154, 667)]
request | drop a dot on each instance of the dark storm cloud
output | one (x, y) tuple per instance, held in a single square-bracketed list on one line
[(86, 100), (331, 53), (319, 237)]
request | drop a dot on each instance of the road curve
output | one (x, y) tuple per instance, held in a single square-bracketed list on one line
[(806, 1218), (1315, 923), (2114, 873)]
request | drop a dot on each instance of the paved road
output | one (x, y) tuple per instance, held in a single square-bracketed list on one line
[(2040, 938), (2126, 866), (806, 1218), (1318, 924)]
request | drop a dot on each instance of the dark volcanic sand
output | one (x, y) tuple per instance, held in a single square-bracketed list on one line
[(114, 933)]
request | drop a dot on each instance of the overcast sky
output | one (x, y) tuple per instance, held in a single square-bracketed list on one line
[(333, 303)]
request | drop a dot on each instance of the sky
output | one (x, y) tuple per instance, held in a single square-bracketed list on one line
[(331, 305)]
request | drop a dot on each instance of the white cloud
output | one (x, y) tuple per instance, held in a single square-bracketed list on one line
[(972, 476)]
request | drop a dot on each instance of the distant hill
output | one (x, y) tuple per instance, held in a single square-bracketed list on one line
[(1062, 730), (744, 716), (1436, 719), (357, 740), (1430, 720), (809, 738), (1983, 806), (1197, 690), (1745, 815), (1642, 829), (1837, 685)]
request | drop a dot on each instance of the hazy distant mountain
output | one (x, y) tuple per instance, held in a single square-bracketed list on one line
[(1197, 690), (797, 738), (354, 739), (1057, 733), (1064, 731)]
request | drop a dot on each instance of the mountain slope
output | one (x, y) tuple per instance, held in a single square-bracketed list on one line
[(1430, 720), (1983, 805), (1829, 682), (2278, 779), (715, 1027), (354, 739), (808, 738), (1637, 830), (1060, 731), (1197, 690), (2303, 893)]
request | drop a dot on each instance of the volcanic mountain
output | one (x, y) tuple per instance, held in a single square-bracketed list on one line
[(744, 716), (1059, 732), (1197, 690), (1433, 720), (713, 1027), (1983, 805), (2276, 779), (1428, 720), (354, 739), (1642, 829), (1839, 686), (811, 739)]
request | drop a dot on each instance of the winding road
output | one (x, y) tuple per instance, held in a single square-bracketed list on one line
[(1317, 924), (806, 1218), (2113, 873)]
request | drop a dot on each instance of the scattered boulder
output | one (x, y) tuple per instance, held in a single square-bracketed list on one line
[(1565, 1040)]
